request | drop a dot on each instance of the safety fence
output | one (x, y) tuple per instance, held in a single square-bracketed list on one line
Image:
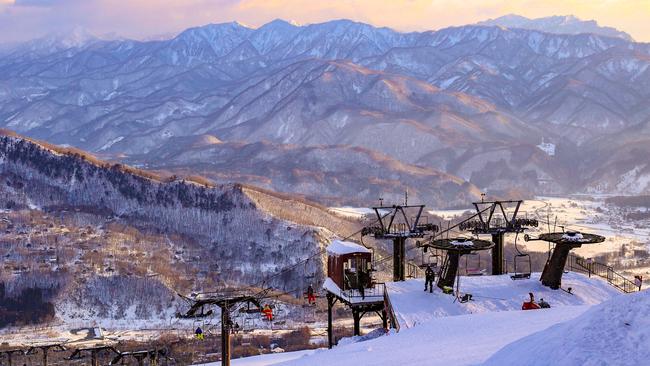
[(390, 311), (590, 267), (374, 293)]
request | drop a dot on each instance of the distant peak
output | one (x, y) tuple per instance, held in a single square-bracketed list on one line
[(281, 22), (558, 24), (72, 38), (239, 24)]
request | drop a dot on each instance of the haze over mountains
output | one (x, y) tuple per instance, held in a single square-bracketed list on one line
[(327, 109), (568, 24)]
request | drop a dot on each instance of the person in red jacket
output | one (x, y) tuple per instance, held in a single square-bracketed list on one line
[(268, 312), (531, 304), (311, 297)]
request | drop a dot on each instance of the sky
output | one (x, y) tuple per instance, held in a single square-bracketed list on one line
[(21, 20)]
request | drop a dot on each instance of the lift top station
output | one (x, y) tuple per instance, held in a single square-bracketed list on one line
[(398, 223), (492, 218)]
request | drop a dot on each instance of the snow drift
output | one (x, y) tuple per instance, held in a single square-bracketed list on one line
[(615, 332)]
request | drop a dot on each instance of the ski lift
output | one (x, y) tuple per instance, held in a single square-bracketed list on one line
[(474, 270), (249, 310), (522, 264), (309, 277), (429, 259), (309, 315)]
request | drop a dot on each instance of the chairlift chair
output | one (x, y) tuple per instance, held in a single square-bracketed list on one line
[(476, 269), (431, 259), (522, 264)]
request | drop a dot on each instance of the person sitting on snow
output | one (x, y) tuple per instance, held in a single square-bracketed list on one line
[(531, 304), (543, 304)]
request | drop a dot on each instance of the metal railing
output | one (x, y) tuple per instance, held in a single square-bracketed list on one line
[(413, 271), (390, 311), (582, 265), (374, 293)]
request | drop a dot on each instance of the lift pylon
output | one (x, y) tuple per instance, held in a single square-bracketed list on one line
[(395, 224), (492, 218), (226, 301)]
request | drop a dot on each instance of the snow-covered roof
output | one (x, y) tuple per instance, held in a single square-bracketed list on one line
[(340, 247)]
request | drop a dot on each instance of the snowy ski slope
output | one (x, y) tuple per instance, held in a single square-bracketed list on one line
[(438, 331)]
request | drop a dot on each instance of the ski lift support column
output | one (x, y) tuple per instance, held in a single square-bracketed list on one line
[(399, 232), (564, 243), (487, 226), (455, 248), (225, 303)]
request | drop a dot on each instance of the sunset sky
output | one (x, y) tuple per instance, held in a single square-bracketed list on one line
[(26, 19)]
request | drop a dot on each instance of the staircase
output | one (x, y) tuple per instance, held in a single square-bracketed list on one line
[(582, 265), (390, 312)]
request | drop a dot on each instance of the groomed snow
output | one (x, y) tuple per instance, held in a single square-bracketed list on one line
[(616, 332), (455, 340), (339, 247), (266, 360), (413, 306), (435, 330)]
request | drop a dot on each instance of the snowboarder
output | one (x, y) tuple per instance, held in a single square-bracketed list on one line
[(199, 334), (430, 277), (543, 304), (638, 281), (268, 312), (311, 298), (235, 328), (531, 304)]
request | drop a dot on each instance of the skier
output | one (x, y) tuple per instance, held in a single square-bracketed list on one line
[(311, 298), (199, 333), (531, 304), (543, 304), (268, 312), (430, 277)]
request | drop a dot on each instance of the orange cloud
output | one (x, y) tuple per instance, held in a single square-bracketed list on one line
[(138, 18)]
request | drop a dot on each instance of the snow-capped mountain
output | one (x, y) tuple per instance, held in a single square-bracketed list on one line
[(77, 37), (567, 24), (468, 101)]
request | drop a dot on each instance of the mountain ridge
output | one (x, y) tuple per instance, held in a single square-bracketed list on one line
[(443, 94)]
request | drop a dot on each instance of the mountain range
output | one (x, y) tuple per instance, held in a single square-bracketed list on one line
[(324, 110), (567, 24)]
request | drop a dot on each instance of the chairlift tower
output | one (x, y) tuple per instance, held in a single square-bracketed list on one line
[(226, 301), (485, 222), (395, 224)]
